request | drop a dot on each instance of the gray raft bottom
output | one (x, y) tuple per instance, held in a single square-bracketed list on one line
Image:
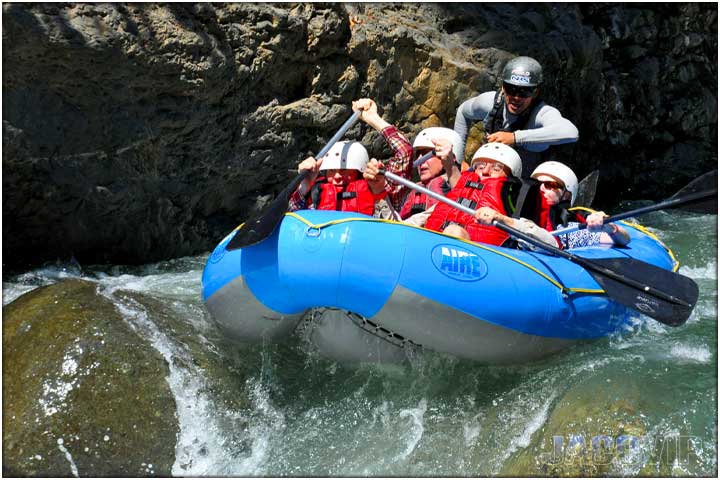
[(407, 323)]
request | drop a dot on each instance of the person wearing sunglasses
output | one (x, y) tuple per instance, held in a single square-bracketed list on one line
[(515, 115), (558, 190)]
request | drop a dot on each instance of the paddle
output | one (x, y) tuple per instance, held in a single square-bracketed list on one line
[(706, 181), (704, 201), (424, 158), (257, 229), (625, 280), (586, 189)]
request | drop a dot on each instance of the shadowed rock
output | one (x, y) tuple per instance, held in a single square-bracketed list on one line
[(139, 132)]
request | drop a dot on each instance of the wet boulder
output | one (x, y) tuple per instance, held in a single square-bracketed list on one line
[(83, 393), (595, 429)]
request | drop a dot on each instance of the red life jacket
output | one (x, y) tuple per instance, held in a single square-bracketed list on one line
[(473, 193), (355, 197), (552, 216), (545, 220), (417, 202)]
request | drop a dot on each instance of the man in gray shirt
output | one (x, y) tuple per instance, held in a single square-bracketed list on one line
[(516, 115)]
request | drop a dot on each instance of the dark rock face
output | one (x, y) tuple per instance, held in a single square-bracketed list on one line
[(83, 393), (137, 132)]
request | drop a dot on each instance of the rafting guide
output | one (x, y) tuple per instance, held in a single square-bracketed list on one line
[(515, 115)]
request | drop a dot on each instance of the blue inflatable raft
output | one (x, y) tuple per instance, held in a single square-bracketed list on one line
[(361, 289)]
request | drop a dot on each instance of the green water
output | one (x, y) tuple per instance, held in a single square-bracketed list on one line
[(439, 416)]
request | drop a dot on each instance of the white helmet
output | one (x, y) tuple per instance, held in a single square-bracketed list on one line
[(345, 155), (423, 139), (561, 172), (503, 154)]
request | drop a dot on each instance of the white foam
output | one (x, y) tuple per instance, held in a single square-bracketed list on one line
[(33, 279), (268, 422), (708, 272), (691, 353), (11, 291), (416, 428), (69, 458), (183, 284), (201, 448), (471, 431), (537, 421)]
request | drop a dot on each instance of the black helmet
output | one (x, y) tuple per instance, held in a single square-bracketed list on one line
[(523, 72)]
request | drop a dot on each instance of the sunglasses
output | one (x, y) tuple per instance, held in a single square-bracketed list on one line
[(494, 166), (514, 91), (551, 185)]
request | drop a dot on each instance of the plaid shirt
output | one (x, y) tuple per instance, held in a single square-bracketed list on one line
[(400, 164)]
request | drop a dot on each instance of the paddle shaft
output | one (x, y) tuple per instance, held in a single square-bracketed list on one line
[(338, 135), (590, 265), (424, 158), (427, 191), (587, 264), (650, 208), (260, 227)]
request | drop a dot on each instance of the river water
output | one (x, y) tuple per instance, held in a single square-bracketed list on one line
[(440, 416)]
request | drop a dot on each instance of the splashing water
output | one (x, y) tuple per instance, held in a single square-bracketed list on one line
[(438, 416)]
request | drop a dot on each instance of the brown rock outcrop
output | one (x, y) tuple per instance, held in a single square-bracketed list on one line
[(135, 132)]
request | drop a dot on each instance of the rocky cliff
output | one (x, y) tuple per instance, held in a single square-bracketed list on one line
[(138, 132)]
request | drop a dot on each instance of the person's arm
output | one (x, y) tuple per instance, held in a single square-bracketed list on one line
[(470, 111), (551, 128), (612, 233), (376, 181), (370, 114), (615, 234), (443, 150), (401, 162), (486, 215), (298, 199)]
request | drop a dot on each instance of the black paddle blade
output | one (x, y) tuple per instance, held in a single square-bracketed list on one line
[(670, 299), (261, 226), (707, 181), (586, 189)]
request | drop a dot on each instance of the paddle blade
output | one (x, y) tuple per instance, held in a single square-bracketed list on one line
[(707, 181), (586, 189), (670, 299), (261, 226)]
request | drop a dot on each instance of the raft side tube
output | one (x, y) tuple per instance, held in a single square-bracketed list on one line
[(347, 338), (439, 327), (344, 265), (240, 316), (244, 313)]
